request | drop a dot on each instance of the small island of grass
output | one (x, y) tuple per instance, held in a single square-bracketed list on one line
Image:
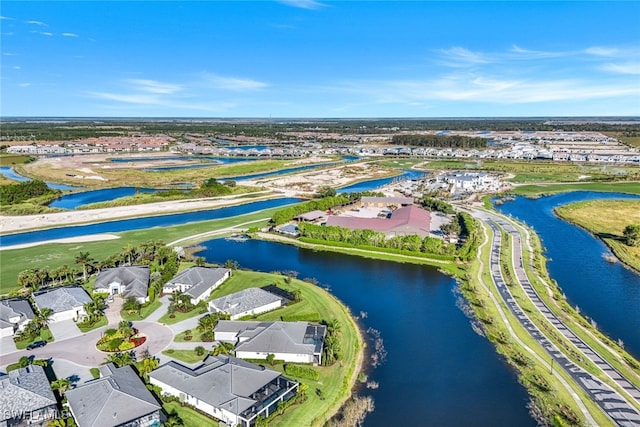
[(607, 219)]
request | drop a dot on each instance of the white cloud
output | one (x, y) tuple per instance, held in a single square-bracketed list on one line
[(459, 57), (70, 35), (46, 33), (303, 4), (127, 98), (602, 51), (233, 83), (24, 84), (154, 86), (6, 17), (39, 23), (623, 68), (17, 67)]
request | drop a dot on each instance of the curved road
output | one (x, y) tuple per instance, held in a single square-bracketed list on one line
[(616, 406)]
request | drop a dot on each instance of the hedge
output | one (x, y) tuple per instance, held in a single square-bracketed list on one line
[(302, 372)]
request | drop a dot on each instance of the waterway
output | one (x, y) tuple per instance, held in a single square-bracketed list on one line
[(606, 292), (74, 200), (9, 173), (438, 372), (142, 222)]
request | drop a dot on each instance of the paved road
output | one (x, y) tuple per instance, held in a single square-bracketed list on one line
[(610, 401)]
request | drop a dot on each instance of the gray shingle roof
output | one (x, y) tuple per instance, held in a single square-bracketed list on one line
[(119, 397), (244, 301), (199, 278), (20, 307), (135, 280), (276, 337), (219, 381), (24, 390), (62, 299)]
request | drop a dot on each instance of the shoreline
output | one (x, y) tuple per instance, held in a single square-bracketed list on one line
[(617, 256)]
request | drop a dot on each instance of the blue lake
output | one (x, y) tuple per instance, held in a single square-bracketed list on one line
[(9, 173), (607, 292), (438, 372), (73, 200), (141, 223)]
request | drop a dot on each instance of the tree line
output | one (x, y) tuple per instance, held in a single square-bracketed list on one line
[(21, 191), (440, 141)]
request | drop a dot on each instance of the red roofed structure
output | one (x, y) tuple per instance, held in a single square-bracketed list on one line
[(407, 220)]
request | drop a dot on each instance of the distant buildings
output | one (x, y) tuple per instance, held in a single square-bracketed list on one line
[(407, 220)]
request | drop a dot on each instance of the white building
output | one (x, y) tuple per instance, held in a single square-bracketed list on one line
[(246, 303), (66, 303), (197, 282)]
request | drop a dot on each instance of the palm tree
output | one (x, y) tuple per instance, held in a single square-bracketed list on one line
[(84, 260), (173, 420), (42, 317), (121, 358), (223, 348), (130, 252), (28, 280), (61, 385)]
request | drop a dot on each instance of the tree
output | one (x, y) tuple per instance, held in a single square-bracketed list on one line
[(326, 191), (271, 359), (61, 385), (130, 253), (200, 261), (42, 317), (121, 358), (631, 235), (200, 350), (147, 365), (232, 264), (131, 304), (173, 420), (24, 361), (223, 348), (84, 260)]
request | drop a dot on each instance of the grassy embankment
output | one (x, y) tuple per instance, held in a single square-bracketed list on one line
[(633, 141), (607, 219), (537, 190), (335, 381), (53, 255), (552, 392)]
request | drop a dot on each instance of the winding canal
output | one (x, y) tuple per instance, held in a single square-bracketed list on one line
[(607, 292), (438, 371)]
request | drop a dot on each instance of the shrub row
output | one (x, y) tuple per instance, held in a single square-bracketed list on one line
[(302, 372)]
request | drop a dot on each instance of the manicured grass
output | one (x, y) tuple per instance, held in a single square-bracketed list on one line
[(607, 220), (14, 159), (534, 375), (187, 356), (95, 372), (188, 415), (53, 255), (144, 312), (45, 335), (100, 323), (534, 190), (179, 317)]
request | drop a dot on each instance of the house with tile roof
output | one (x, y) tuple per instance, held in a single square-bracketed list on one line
[(246, 302), (408, 220), (232, 390), (129, 281), (297, 342), (65, 302), (197, 282), (117, 398), (14, 315), (26, 398)]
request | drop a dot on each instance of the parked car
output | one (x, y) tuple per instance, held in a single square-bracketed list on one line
[(36, 344)]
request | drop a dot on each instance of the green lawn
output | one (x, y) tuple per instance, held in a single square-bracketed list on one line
[(144, 312), (179, 317), (190, 417), (187, 356), (100, 323), (53, 255), (533, 190), (45, 335)]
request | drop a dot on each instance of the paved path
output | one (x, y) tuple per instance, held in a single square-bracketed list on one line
[(613, 403)]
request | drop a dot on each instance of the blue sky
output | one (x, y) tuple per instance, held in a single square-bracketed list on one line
[(306, 58)]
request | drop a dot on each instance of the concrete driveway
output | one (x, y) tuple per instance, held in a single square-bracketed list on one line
[(64, 329), (7, 345)]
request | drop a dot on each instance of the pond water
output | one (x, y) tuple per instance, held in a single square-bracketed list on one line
[(438, 372), (9, 173), (607, 292), (141, 222)]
